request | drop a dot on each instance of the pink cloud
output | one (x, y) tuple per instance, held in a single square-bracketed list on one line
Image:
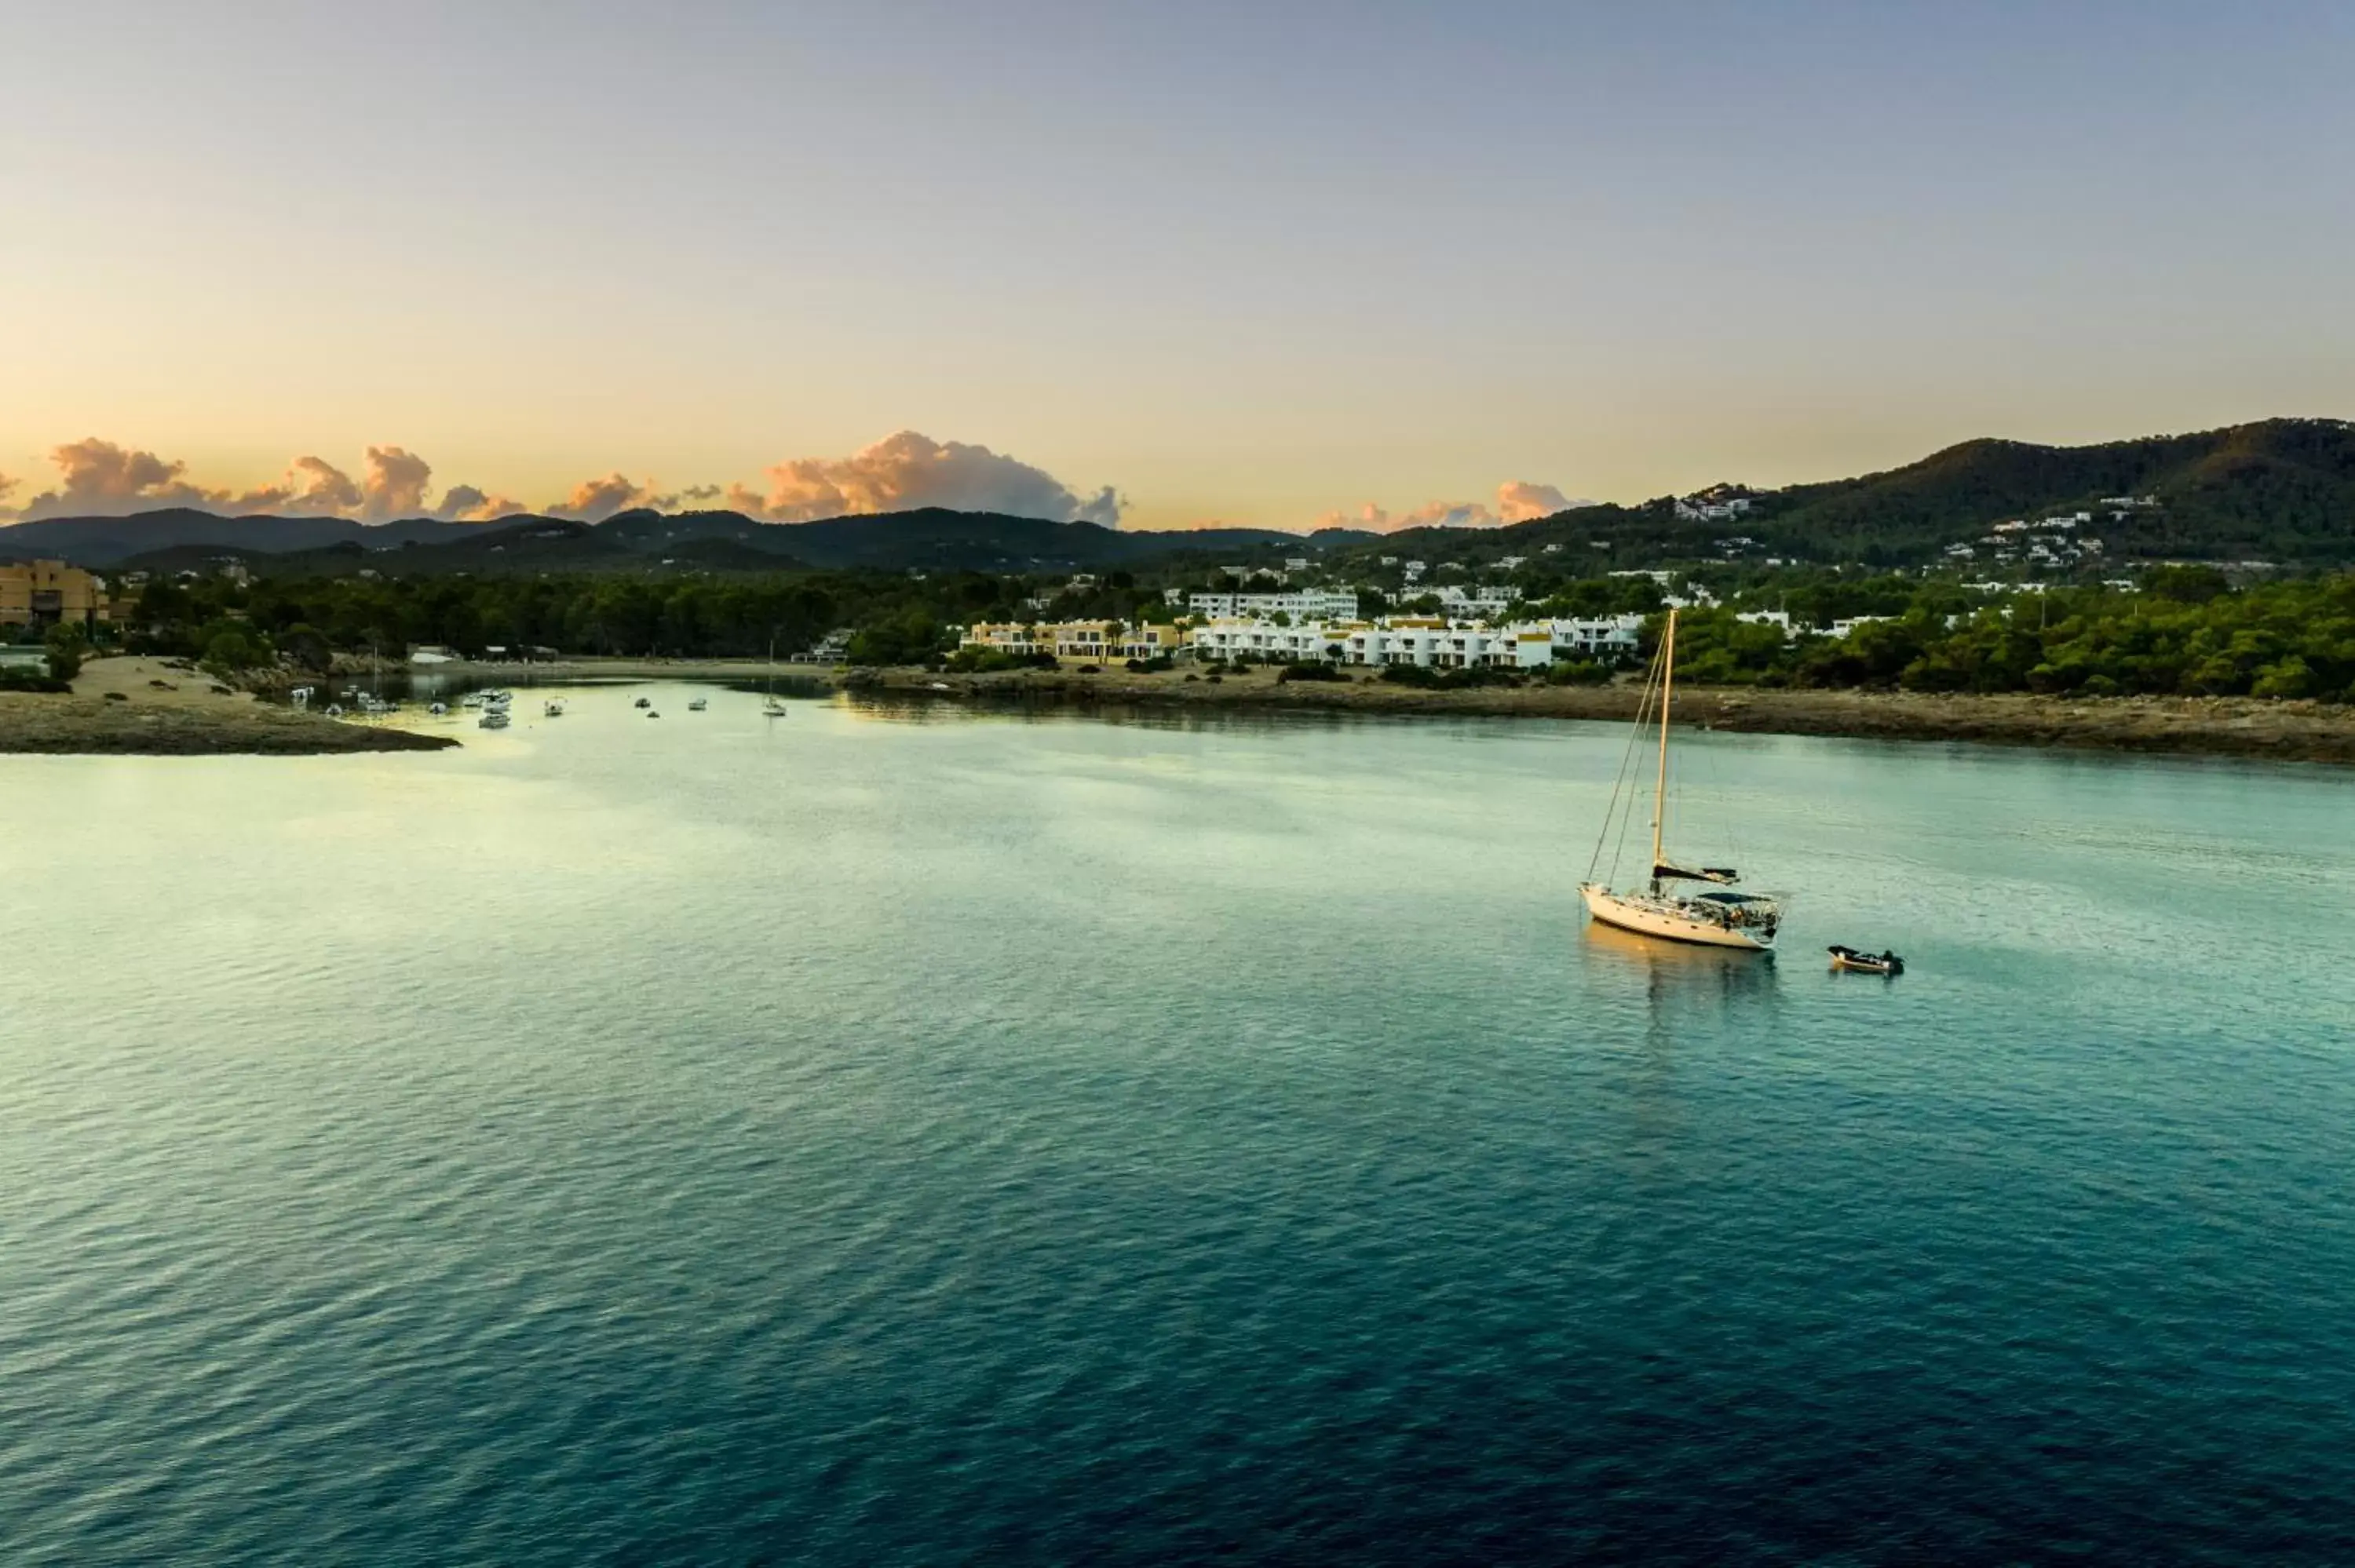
[(594, 500), (1518, 501), (393, 485), (98, 478), (1429, 514), (465, 504), (908, 470)]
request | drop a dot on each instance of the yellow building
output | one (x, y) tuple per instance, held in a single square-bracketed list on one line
[(1143, 641), (1005, 636), (1085, 639), (44, 593), (1075, 638)]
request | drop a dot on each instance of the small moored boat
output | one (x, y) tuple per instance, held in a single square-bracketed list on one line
[(1865, 963), (698, 704)]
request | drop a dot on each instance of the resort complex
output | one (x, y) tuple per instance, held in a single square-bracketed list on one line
[(1430, 641)]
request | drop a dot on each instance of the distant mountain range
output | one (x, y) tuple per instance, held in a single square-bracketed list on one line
[(930, 539), (2280, 490)]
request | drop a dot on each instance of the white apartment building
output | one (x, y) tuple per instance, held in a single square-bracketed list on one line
[(1470, 602), (1432, 641), (1300, 604), (1616, 634), (1438, 644)]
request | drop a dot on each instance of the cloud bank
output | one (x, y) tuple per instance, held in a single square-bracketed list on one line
[(902, 471), (1518, 501), (908, 470), (101, 479)]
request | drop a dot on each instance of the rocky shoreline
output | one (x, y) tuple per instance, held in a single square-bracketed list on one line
[(163, 708), (2219, 726)]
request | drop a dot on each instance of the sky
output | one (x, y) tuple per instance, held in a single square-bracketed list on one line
[(1169, 265)]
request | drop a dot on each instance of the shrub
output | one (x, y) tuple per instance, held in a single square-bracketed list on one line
[(2290, 677), (227, 652), (1308, 672), (66, 646), (977, 659)]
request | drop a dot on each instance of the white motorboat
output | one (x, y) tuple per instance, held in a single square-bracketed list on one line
[(1656, 906), (697, 704), (437, 709), (553, 707), (493, 718)]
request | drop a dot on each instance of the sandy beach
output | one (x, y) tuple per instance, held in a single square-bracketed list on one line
[(138, 705)]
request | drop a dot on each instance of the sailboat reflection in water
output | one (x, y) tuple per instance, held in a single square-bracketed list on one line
[(1718, 918)]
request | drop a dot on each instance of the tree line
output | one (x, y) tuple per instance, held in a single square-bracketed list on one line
[(2187, 631)]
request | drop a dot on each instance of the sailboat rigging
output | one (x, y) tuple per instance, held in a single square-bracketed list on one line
[(1746, 921), (769, 703)]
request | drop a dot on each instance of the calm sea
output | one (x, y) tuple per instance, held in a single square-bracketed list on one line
[(920, 1138)]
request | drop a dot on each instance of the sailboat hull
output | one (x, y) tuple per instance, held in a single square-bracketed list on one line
[(1647, 918)]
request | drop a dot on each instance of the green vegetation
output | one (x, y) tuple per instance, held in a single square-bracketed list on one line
[(984, 660), (2188, 634), (66, 646), (1427, 679)]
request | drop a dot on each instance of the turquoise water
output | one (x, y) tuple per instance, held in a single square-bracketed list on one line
[(926, 1139)]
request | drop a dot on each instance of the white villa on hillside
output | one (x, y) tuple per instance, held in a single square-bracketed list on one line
[(1310, 604)]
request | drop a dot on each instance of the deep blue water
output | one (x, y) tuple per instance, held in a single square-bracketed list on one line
[(865, 1139)]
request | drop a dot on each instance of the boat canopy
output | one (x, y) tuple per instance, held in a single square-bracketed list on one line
[(1662, 872), (1733, 897)]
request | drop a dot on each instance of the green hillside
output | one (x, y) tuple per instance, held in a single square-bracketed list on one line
[(2281, 490)]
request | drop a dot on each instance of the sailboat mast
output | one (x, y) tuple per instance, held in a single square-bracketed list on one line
[(1660, 787)]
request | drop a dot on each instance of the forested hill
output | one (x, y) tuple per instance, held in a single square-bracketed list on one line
[(2283, 490), (932, 538), (2280, 490)]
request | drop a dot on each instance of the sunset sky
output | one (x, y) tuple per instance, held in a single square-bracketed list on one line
[(1255, 263)]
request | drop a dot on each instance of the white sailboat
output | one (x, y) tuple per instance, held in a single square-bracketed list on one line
[(770, 704), (1717, 919)]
